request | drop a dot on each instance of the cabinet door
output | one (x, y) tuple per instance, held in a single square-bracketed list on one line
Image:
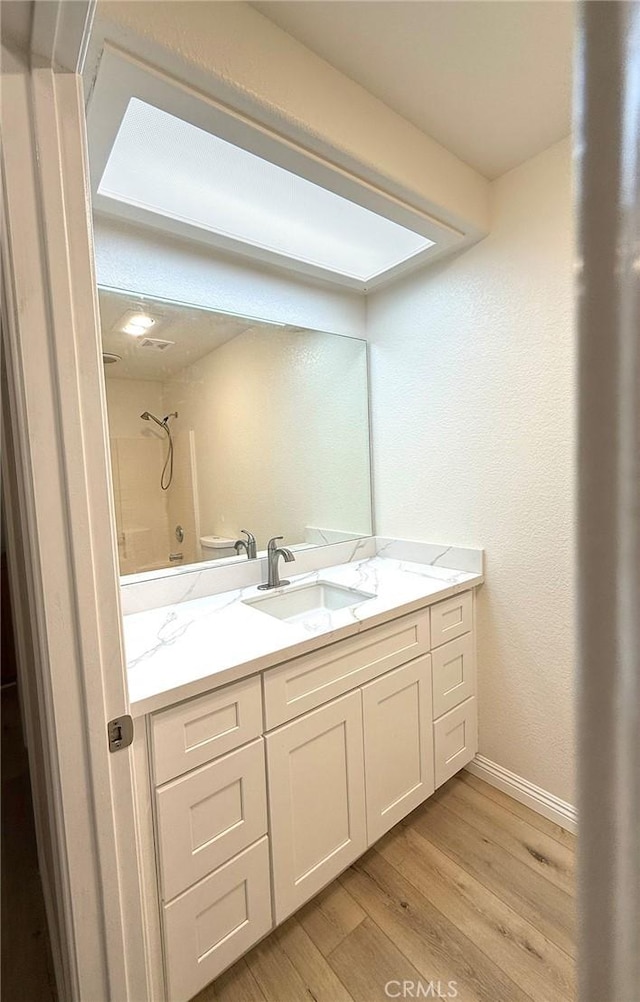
[(398, 744), (316, 793)]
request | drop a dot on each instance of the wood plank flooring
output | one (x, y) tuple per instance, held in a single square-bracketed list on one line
[(472, 888), (27, 966)]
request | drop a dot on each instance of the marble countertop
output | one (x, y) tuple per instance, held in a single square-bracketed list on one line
[(178, 651)]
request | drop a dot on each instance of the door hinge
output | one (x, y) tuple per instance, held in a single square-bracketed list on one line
[(120, 731)]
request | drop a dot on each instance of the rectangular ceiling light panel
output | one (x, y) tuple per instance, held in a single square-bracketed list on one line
[(167, 166)]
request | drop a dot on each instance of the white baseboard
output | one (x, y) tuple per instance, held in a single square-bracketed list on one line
[(526, 793)]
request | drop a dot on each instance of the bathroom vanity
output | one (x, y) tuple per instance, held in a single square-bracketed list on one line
[(275, 743)]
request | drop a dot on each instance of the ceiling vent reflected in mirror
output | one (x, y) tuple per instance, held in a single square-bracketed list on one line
[(156, 344)]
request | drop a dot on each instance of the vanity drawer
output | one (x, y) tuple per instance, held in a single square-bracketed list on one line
[(210, 815), (451, 618), (215, 922), (192, 733), (453, 673), (455, 740), (300, 685)]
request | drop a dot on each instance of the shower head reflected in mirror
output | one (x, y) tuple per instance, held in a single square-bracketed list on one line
[(165, 477), (148, 416)]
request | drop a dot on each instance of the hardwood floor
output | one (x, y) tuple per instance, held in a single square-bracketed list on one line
[(472, 889), (27, 966)]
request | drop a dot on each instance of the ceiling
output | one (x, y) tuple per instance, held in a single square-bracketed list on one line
[(195, 333), (490, 81)]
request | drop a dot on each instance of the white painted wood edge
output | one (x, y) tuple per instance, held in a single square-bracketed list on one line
[(539, 800)]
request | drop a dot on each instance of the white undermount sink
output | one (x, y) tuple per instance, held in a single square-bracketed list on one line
[(299, 602)]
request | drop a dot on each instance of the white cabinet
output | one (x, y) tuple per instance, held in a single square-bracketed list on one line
[(454, 673), (451, 618), (304, 683), (455, 740), (455, 728), (320, 818), (316, 800), (248, 808), (398, 744), (212, 850), (189, 734), (205, 818), (215, 922)]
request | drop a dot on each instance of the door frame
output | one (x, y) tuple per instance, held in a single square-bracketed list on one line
[(61, 544)]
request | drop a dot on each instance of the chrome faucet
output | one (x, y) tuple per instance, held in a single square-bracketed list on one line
[(248, 544), (273, 555)]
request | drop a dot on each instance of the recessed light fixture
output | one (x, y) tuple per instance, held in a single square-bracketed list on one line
[(142, 320), (169, 167), (136, 324)]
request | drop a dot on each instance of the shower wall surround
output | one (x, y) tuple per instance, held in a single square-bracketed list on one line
[(146, 515)]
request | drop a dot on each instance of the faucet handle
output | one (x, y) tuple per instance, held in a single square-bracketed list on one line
[(271, 545), (250, 537)]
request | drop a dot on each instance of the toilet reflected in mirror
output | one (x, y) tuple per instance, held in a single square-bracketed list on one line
[(220, 423)]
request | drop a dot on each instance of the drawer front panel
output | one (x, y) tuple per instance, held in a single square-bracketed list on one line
[(192, 733), (208, 816), (454, 674), (309, 681), (215, 922), (398, 745), (451, 618), (455, 740)]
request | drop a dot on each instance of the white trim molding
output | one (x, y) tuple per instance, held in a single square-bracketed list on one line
[(61, 543), (539, 800), (61, 32)]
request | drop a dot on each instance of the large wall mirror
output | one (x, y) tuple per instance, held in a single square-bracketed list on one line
[(219, 423)]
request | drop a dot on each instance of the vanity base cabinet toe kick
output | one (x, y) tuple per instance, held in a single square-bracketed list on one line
[(266, 789)]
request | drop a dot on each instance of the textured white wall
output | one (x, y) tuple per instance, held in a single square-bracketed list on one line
[(473, 425), (126, 401), (146, 261), (280, 423)]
